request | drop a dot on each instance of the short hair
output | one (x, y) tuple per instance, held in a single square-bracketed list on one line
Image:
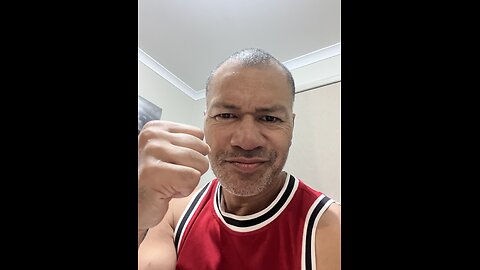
[(254, 57)]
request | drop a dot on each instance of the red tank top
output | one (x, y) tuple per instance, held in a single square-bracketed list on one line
[(282, 236)]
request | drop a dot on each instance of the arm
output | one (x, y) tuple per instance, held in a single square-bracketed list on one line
[(157, 251), (327, 239), (171, 159)]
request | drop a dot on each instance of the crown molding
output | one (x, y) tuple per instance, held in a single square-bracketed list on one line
[(167, 75), (313, 57), (292, 64)]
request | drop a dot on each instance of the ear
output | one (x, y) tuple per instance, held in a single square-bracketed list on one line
[(293, 125)]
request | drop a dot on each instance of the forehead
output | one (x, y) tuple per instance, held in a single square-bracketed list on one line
[(234, 79)]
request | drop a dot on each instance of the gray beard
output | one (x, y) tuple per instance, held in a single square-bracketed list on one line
[(245, 185)]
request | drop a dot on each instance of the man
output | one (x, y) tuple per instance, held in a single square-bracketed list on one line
[(254, 215)]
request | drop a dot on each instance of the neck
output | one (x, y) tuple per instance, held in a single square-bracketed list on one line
[(242, 206)]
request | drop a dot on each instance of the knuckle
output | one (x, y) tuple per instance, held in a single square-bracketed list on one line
[(146, 136), (150, 147), (152, 123), (147, 131)]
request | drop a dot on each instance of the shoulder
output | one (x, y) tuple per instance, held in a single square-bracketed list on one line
[(331, 217), (178, 206), (161, 238), (328, 238)]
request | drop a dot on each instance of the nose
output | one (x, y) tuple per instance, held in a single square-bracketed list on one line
[(248, 134)]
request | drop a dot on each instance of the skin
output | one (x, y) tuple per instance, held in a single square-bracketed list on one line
[(171, 159), (248, 128)]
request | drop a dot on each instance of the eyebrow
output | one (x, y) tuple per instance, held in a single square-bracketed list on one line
[(225, 106), (274, 108)]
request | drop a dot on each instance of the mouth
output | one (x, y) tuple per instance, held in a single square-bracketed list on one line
[(246, 165)]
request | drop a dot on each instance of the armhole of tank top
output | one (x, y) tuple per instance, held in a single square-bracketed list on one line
[(187, 214), (308, 244)]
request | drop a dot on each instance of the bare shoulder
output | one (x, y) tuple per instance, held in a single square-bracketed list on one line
[(331, 217), (157, 251), (328, 239), (178, 206), (175, 210)]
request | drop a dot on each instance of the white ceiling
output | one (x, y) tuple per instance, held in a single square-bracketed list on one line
[(184, 40)]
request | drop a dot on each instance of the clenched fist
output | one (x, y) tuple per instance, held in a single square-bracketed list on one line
[(171, 159)]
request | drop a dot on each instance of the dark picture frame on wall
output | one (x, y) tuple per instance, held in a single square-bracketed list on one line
[(147, 111)]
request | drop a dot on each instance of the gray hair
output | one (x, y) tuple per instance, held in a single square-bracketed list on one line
[(254, 57)]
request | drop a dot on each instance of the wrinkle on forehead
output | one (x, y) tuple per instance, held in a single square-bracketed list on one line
[(239, 82)]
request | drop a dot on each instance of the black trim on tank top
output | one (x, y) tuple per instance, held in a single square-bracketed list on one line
[(262, 218), (311, 222), (187, 214)]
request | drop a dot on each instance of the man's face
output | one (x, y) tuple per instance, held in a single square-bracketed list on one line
[(249, 126)]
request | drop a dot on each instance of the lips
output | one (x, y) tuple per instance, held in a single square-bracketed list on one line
[(246, 160), (246, 165)]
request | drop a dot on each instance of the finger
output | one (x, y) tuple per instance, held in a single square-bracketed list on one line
[(155, 130), (189, 158), (177, 155), (171, 180), (176, 128), (189, 141)]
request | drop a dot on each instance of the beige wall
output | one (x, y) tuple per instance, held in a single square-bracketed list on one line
[(315, 152)]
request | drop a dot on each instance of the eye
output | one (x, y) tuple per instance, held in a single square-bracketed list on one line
[(270, 119), (224, 116)]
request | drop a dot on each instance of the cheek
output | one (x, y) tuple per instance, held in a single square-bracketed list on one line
[(281, 142), (283, 147), (283, 137)]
